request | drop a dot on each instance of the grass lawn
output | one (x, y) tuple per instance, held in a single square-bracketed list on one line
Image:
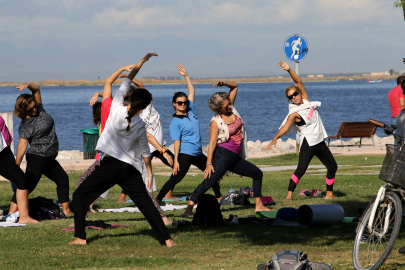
[(42, 246)]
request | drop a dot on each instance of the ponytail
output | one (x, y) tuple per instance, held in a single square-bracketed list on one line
[(139, 99)]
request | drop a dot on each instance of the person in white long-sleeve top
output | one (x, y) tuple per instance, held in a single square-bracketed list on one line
[(121, 146)]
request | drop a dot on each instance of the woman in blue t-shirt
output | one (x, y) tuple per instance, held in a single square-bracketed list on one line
[(185, 132)]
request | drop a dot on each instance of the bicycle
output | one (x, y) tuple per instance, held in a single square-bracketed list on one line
[(379, 225)]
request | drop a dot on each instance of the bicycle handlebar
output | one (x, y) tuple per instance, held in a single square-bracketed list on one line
[(388, 130)]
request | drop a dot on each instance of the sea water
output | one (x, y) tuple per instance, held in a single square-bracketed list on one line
[(263, 106)]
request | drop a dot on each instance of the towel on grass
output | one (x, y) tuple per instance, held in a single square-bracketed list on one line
[(167, 207)]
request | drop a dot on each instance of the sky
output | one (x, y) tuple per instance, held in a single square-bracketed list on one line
[(82, 40)]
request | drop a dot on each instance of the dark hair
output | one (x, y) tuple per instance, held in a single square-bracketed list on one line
[(177, 95), (139, 99), (403, 87), (97, 113), (22, 105), (400, 79)]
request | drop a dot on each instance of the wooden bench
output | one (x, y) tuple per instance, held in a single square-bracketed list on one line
[(354, 130)]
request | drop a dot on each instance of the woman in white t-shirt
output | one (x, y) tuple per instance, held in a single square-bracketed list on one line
[(303, 118), (122, 146)]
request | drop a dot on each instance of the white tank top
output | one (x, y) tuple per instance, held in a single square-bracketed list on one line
[(313, 129)]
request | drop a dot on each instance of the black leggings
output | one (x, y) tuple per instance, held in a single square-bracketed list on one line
[(48, 166), (185, 161), (321, 150), (223, 161), (110, 172), (10, 170), (160, 156)]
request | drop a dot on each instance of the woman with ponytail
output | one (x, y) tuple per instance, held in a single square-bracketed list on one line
[(121, 146)]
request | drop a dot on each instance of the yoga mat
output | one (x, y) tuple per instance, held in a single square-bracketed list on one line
[(167, 207), (11, 224), (266, 214), (350, 219)]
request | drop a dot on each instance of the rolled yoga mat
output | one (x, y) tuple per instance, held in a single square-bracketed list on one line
[(324, 215)]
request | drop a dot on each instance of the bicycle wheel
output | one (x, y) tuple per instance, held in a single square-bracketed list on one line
[(372, 247)]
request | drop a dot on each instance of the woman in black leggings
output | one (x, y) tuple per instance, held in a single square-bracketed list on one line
[(303, 118), (185, 132), (10, 171), (37, 128), (121, 146), (227, 149)]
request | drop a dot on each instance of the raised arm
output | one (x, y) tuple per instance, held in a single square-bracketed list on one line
[(295, 78), (135, 81), (124, 88), (95, 97), (107, 92), (34, 89), (190, 87), (283, 130), (233, 89)]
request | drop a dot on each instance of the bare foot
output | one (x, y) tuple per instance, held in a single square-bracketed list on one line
[(219, 199), (262, 208), (121, 201), (68, 213), (188, 213), (288, 199), (330, 197), (92, 210), (171, 197), (167, 221), (170, 243), (28, 220), (78, 241)]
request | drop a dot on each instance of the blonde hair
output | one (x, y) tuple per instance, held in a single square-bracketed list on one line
[(288, 89)]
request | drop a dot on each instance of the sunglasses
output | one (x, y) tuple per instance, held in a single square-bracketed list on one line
[(296, 93), (180, 103)]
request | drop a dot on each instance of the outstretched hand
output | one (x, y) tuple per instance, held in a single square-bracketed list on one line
[(149, 55), (23, 87), (272, 143), (284, 65), (182, 71), (220, 84), (129, 67)]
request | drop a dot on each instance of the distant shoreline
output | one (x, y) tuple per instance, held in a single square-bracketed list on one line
[(204, 81)]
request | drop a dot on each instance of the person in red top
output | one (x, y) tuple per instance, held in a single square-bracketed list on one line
[(397, 100)]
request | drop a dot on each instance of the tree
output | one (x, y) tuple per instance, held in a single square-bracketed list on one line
[(400, 3), (391, 72)]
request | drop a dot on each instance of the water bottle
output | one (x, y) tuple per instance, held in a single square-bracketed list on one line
[(231, 193), (13, 217)]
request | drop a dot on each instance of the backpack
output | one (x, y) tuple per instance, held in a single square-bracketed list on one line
[(292, 260), (41, 208), (208, 213)]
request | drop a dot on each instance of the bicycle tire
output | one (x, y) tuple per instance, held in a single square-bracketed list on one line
[(370, 244)]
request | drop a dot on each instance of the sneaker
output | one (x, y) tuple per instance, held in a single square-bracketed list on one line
[(305, 193), (316, 192)]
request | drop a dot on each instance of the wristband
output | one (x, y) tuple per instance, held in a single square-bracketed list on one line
[(164, 149), (208, 164)]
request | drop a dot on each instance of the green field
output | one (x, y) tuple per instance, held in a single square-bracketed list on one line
[(43, 246)]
